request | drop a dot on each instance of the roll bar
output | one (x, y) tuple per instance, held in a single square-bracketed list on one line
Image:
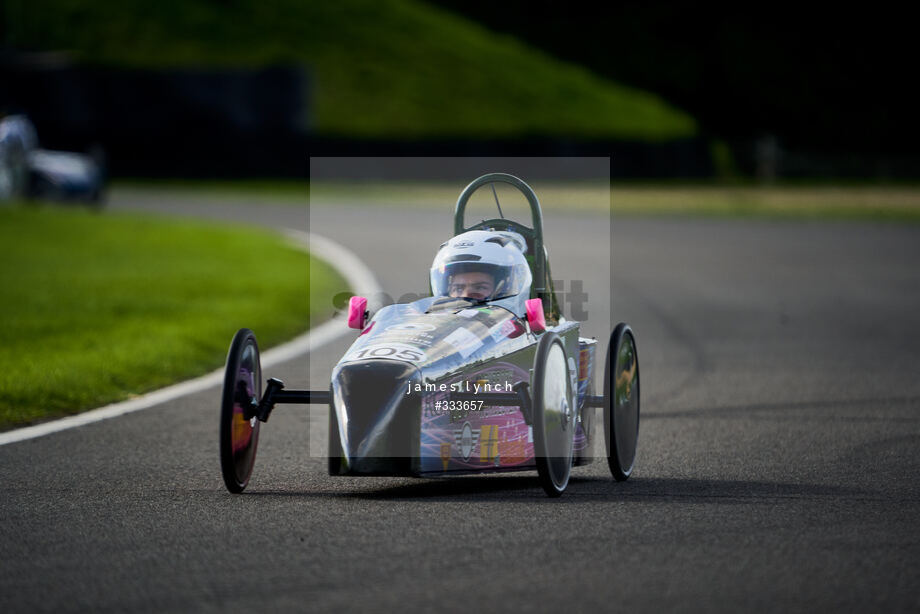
[(535, 234)]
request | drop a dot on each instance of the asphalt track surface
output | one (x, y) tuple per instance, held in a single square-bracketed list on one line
[(778, 463)]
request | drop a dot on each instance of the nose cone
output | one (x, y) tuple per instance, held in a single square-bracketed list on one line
[(377, 421)]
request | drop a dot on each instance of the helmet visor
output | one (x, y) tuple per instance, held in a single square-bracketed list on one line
[(479, 281)]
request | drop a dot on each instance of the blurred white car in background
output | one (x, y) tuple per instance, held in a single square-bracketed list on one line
[(28, 172)]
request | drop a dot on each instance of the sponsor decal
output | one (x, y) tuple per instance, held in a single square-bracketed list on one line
[(466, 437), (468, 313), (583, 356), (486, 412), (406, 333), (573, 374), (498, 377), (488, 447), (393, 351), (412, 326), (406, 336), (464, 341), (463, 244), (445, 455), (502, 330), (512, 452)]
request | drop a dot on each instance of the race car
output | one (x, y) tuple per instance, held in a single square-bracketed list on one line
[(485, 375), (27, 171)]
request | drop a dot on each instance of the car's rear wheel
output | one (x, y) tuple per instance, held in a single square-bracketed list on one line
[(621, 402), (239, 428), (553, 415)]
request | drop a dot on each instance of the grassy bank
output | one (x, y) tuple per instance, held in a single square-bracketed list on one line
[(101, 307), (379, 68)]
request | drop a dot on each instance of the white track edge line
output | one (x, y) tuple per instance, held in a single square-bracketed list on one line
[(359, 278)]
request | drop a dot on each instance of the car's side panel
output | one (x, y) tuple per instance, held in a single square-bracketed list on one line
[(587, 416), (459, 440), (462, 437), (392, 408)]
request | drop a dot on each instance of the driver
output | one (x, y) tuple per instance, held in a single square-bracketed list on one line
[(473, 284), (482, 265)]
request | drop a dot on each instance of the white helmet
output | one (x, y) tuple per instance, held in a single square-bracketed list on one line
[(465, 264)]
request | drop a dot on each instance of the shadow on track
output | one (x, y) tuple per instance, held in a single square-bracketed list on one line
[(582, 490), (755, 410)]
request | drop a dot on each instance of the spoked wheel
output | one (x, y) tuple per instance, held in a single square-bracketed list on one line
[(621, 402), (553, 415), (239, 429)]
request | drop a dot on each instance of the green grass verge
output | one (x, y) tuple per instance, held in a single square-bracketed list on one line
[(862, 202), (858, 201), (380, 68), (100, 307)]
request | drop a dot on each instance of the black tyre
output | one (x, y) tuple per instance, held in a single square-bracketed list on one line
[(621, 402), (239, 430), (553, 415)]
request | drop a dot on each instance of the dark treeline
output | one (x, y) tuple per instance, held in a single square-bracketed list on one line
[(824, 79)]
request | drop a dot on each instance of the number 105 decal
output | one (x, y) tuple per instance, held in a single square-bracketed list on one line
[(393, 351)]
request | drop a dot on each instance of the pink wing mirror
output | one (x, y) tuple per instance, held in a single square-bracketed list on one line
[(535, 316), (357, 312)]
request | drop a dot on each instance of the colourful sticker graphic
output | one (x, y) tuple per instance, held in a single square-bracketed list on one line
[(241, 429), (490, 428), (488, 447), (464, 341), (512, 452), (466, 439), (445, 455), (412, 326), (393, 351), (501, 330), (573, 374)]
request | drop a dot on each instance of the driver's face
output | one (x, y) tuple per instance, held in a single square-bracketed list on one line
[(471, 285)]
